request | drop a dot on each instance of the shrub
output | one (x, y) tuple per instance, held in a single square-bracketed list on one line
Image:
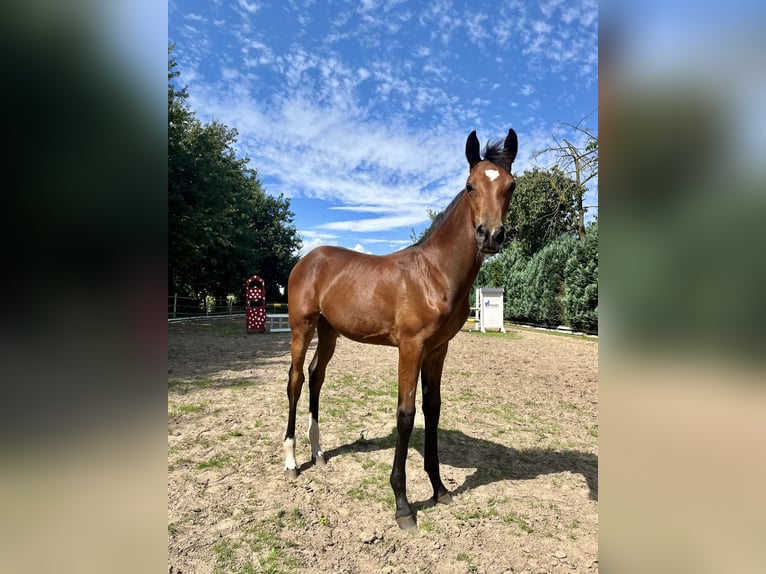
[(581, 276)]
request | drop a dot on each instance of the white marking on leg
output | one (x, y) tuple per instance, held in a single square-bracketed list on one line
[(316, 450), (492, 174), (289, 447)]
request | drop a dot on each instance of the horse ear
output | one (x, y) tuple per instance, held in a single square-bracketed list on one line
[(511, 146), (472, 149)]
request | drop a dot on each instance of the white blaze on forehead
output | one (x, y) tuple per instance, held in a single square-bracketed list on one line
[(492, 174)]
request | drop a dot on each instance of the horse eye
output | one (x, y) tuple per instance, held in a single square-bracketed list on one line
[(468, 187)]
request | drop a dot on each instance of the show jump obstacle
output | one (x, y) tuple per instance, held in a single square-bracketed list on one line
[(256, 319)]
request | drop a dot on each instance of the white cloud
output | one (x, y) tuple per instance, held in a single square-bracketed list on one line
[(250, 7), (360, 248), (376, 223), (312, 239), (381, 137), (477, 27)]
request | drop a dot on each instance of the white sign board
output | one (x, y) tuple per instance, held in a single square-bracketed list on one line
[(490, 306)]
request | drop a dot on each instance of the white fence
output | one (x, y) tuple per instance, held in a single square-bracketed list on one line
[(180, 307)]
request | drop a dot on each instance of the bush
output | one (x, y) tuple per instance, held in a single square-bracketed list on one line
[(514, 270), (581, 276), (544, 279), (558, 285)]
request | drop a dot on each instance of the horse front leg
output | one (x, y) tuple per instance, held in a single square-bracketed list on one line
[(409, 366), (431, 378)]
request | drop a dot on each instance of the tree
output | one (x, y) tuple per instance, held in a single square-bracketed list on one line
[(540, 208), (580, 164), (581, 276), (514, 267), (544, 284), (222, 226)]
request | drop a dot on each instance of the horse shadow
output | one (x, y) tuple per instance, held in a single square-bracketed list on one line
[(492, 461)]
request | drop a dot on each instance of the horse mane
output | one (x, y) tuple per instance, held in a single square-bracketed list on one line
[(492, 152), (440, 217)]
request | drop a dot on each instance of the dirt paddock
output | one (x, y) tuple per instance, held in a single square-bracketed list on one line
[(518, 444)]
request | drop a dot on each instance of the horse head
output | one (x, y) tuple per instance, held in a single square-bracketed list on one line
[(489, 188)]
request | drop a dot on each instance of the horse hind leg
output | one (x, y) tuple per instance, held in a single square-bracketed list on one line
[(328, 337), (302, 333)]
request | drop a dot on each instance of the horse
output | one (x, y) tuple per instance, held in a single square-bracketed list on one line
[(415, 299)]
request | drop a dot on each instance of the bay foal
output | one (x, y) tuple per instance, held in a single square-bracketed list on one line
[(415, 299)]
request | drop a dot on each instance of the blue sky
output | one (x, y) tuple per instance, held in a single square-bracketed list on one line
[(359, 111)]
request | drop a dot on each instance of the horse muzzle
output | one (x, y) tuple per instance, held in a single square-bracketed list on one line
[(490, 241)]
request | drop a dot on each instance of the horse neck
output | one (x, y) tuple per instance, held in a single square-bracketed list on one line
[(452, 248)]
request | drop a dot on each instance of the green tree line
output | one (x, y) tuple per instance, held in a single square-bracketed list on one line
[(222, 226), (549, 269), (557, 285)]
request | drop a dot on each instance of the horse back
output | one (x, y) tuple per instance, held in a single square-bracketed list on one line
[(369, 298)]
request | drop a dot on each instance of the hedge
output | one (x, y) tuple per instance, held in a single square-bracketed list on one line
[(558, 285)]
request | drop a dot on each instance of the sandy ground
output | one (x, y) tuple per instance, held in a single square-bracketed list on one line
[(518, 449)]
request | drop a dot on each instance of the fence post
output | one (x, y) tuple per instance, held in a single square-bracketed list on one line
[(175, 302)]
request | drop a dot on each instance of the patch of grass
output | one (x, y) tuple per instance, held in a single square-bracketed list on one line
[(374, 487), (467, 394), (428, 525), (266, 541), (225, 553), (183, 461), (512, 335), (593, 431), (224, 328), (187, 444), (239, 385), (501, 413), (230, 434), (544, 429), (275, 562), (476, 514), (573, 529), (465, 557), (519, 520), (388, 388), (560, 444), (264, 535), (295, 518), (185, 409), (556, 333), (218, 461), (196, 384)]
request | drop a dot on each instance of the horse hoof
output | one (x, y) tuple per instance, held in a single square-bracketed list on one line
[(406, 522), (445, 498), (291, 473), (320, 460)]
